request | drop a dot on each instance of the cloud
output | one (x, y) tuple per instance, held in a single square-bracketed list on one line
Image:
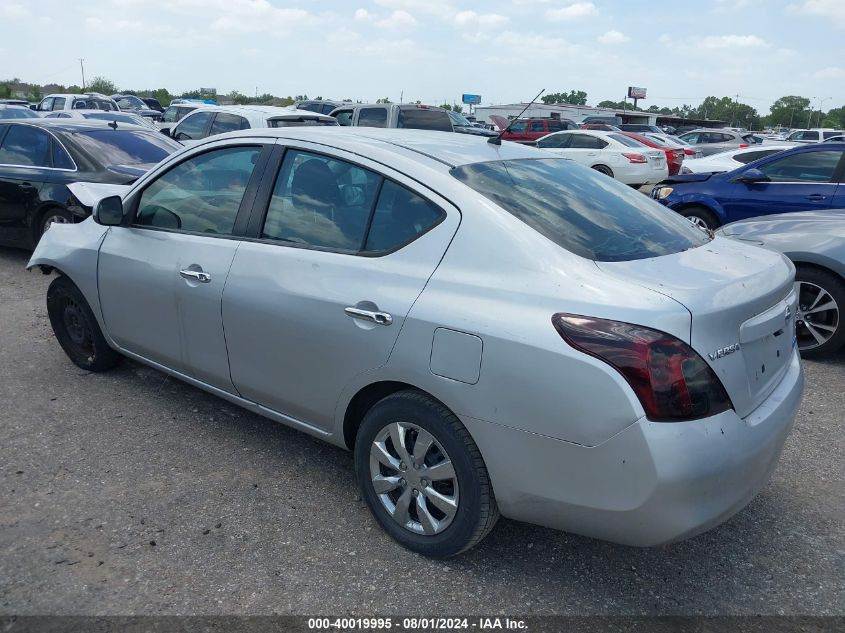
[(13, 10), (397, 20), (481, 20), (833, 9), (362, 15), (613, 37), (573, 11), (831, 72), (110, 26), (732, 41)]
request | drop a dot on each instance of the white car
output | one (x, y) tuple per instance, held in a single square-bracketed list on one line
[(690, 152), (812, 135), (733, 158), (209, 120), (101, 115), (611, 153), (87, 101)]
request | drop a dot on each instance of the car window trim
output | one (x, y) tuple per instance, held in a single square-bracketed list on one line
[(206, 130), (52, 139), (262, 205), (244, 208), (836, 178)]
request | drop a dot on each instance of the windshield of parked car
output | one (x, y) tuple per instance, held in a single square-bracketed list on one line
[(582, 210), (126, 147), (93, 103), (112, 116), (130, 101), (15, 112), (459, 119)]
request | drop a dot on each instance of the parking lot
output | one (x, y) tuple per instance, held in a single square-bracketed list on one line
[(129, 493)]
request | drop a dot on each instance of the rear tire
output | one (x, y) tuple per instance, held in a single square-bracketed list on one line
[(76, 327), (701, 216), (53, 215), (604, 169), (434, 498), (820, 333)]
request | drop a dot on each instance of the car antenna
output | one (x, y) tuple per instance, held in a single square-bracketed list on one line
[(497, 140), (113, 125)]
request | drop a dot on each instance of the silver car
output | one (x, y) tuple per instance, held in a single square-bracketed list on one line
[(712, 141), (490, 328), (815, 242)]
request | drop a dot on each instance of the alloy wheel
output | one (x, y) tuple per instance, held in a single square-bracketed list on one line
[(53, 219), (699, 222), (818, 315), (414, 478)]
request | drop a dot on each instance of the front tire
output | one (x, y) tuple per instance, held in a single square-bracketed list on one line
[(422, 476), (818, 324), (53, 215), (604, 169), (701, 217), (76, 327)]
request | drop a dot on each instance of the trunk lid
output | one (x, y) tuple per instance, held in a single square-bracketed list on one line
[(743, 310)]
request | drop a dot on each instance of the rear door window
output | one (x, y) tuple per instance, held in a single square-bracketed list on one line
[(827, 135), (581, 210), (58, 103), (537, 126), (344, 117), (225, 122), (555, 141), (423, 119), (584, 141), (803, 167), (400, 217), (750, 157), (200, 195), (372, 117), (555, 125), (26, 146), (519, 126)]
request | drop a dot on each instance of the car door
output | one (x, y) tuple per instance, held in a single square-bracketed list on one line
[(341, 249), (193, 127), (161, 276), (798, 182), (584, 149), (24, 167)]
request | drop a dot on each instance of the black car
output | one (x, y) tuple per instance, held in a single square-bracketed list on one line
[(153, 104), (40, 157), (323, 106), (135, 105), (639, 128)]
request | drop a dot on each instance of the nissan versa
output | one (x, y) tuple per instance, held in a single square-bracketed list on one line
[(491, 329)]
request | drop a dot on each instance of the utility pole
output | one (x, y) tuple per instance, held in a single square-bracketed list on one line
[(821, 101), (82, 67)]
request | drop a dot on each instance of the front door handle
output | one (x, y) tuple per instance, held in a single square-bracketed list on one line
[(816, 196), (27, 188), (196, 275), (382, 318)]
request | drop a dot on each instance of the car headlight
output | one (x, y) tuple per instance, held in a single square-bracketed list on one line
[(664, 192)]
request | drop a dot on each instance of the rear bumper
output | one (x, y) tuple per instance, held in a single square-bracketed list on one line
[(652, 483), (641, 174)]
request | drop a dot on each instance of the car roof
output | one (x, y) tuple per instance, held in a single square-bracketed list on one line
[(258, 114), (446, 148), (71, 126)]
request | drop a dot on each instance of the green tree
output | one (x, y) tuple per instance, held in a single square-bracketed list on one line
[(457, 107), (790, 111), (574, 97), (5, 90), (162, 95), (835, 118), (383, 100), (102, 85)]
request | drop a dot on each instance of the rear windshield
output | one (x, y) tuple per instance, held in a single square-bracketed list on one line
[(419, 119), (126, 147), (582, 210), (93, 103), (17, 113), (300, 122), (626, 140)]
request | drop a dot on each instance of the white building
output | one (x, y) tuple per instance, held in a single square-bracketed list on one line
[(560, 110)]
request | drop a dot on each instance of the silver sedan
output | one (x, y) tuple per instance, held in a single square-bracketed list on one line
[(489, 328)]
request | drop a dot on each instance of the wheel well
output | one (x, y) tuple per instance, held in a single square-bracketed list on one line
[(819, 267), (38, 217), (363, 402)]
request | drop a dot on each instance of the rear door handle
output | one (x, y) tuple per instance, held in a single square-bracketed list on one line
[(196, 275), (27, 188), (382, 318), (816, 196)]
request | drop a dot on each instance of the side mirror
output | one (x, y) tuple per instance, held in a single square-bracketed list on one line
[(165, 131), (750, 176), (109, 211)]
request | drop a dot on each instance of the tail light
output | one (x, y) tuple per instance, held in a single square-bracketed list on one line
[(743, 145), (689, 152), (635, 158), (672, 382)]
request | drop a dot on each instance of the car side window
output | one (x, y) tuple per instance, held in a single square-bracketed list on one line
[(555, 125), (584, 141), (803, 167), (373, 117), (827, 135), (46, 104), (200, 195), (537, 126), (321, 201), (60, 157), (225, 122), (193, 127), (400, 216), (750, 157), (58, 103), (810, 135), (26, 146), (692, 138), (518, 127), (170, 115), (555, 141)]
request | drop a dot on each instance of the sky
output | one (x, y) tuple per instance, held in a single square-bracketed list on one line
[(435, 50)]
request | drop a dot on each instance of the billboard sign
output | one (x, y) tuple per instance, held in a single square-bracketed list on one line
[(471, 99), (636, 93)]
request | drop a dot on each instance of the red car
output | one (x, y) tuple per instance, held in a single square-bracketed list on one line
[(674, 155), (529, 130)]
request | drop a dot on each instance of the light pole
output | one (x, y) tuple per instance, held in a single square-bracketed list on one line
[(821, 101), (82, 67)]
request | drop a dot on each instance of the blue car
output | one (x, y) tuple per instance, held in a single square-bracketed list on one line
[(800, 179)]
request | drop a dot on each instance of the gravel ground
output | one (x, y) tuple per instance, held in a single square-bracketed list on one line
[(130, 493)]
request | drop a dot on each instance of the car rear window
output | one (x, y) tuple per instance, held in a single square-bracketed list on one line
[(126, 147), (581, 210), (420, 119), (626, 140)]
